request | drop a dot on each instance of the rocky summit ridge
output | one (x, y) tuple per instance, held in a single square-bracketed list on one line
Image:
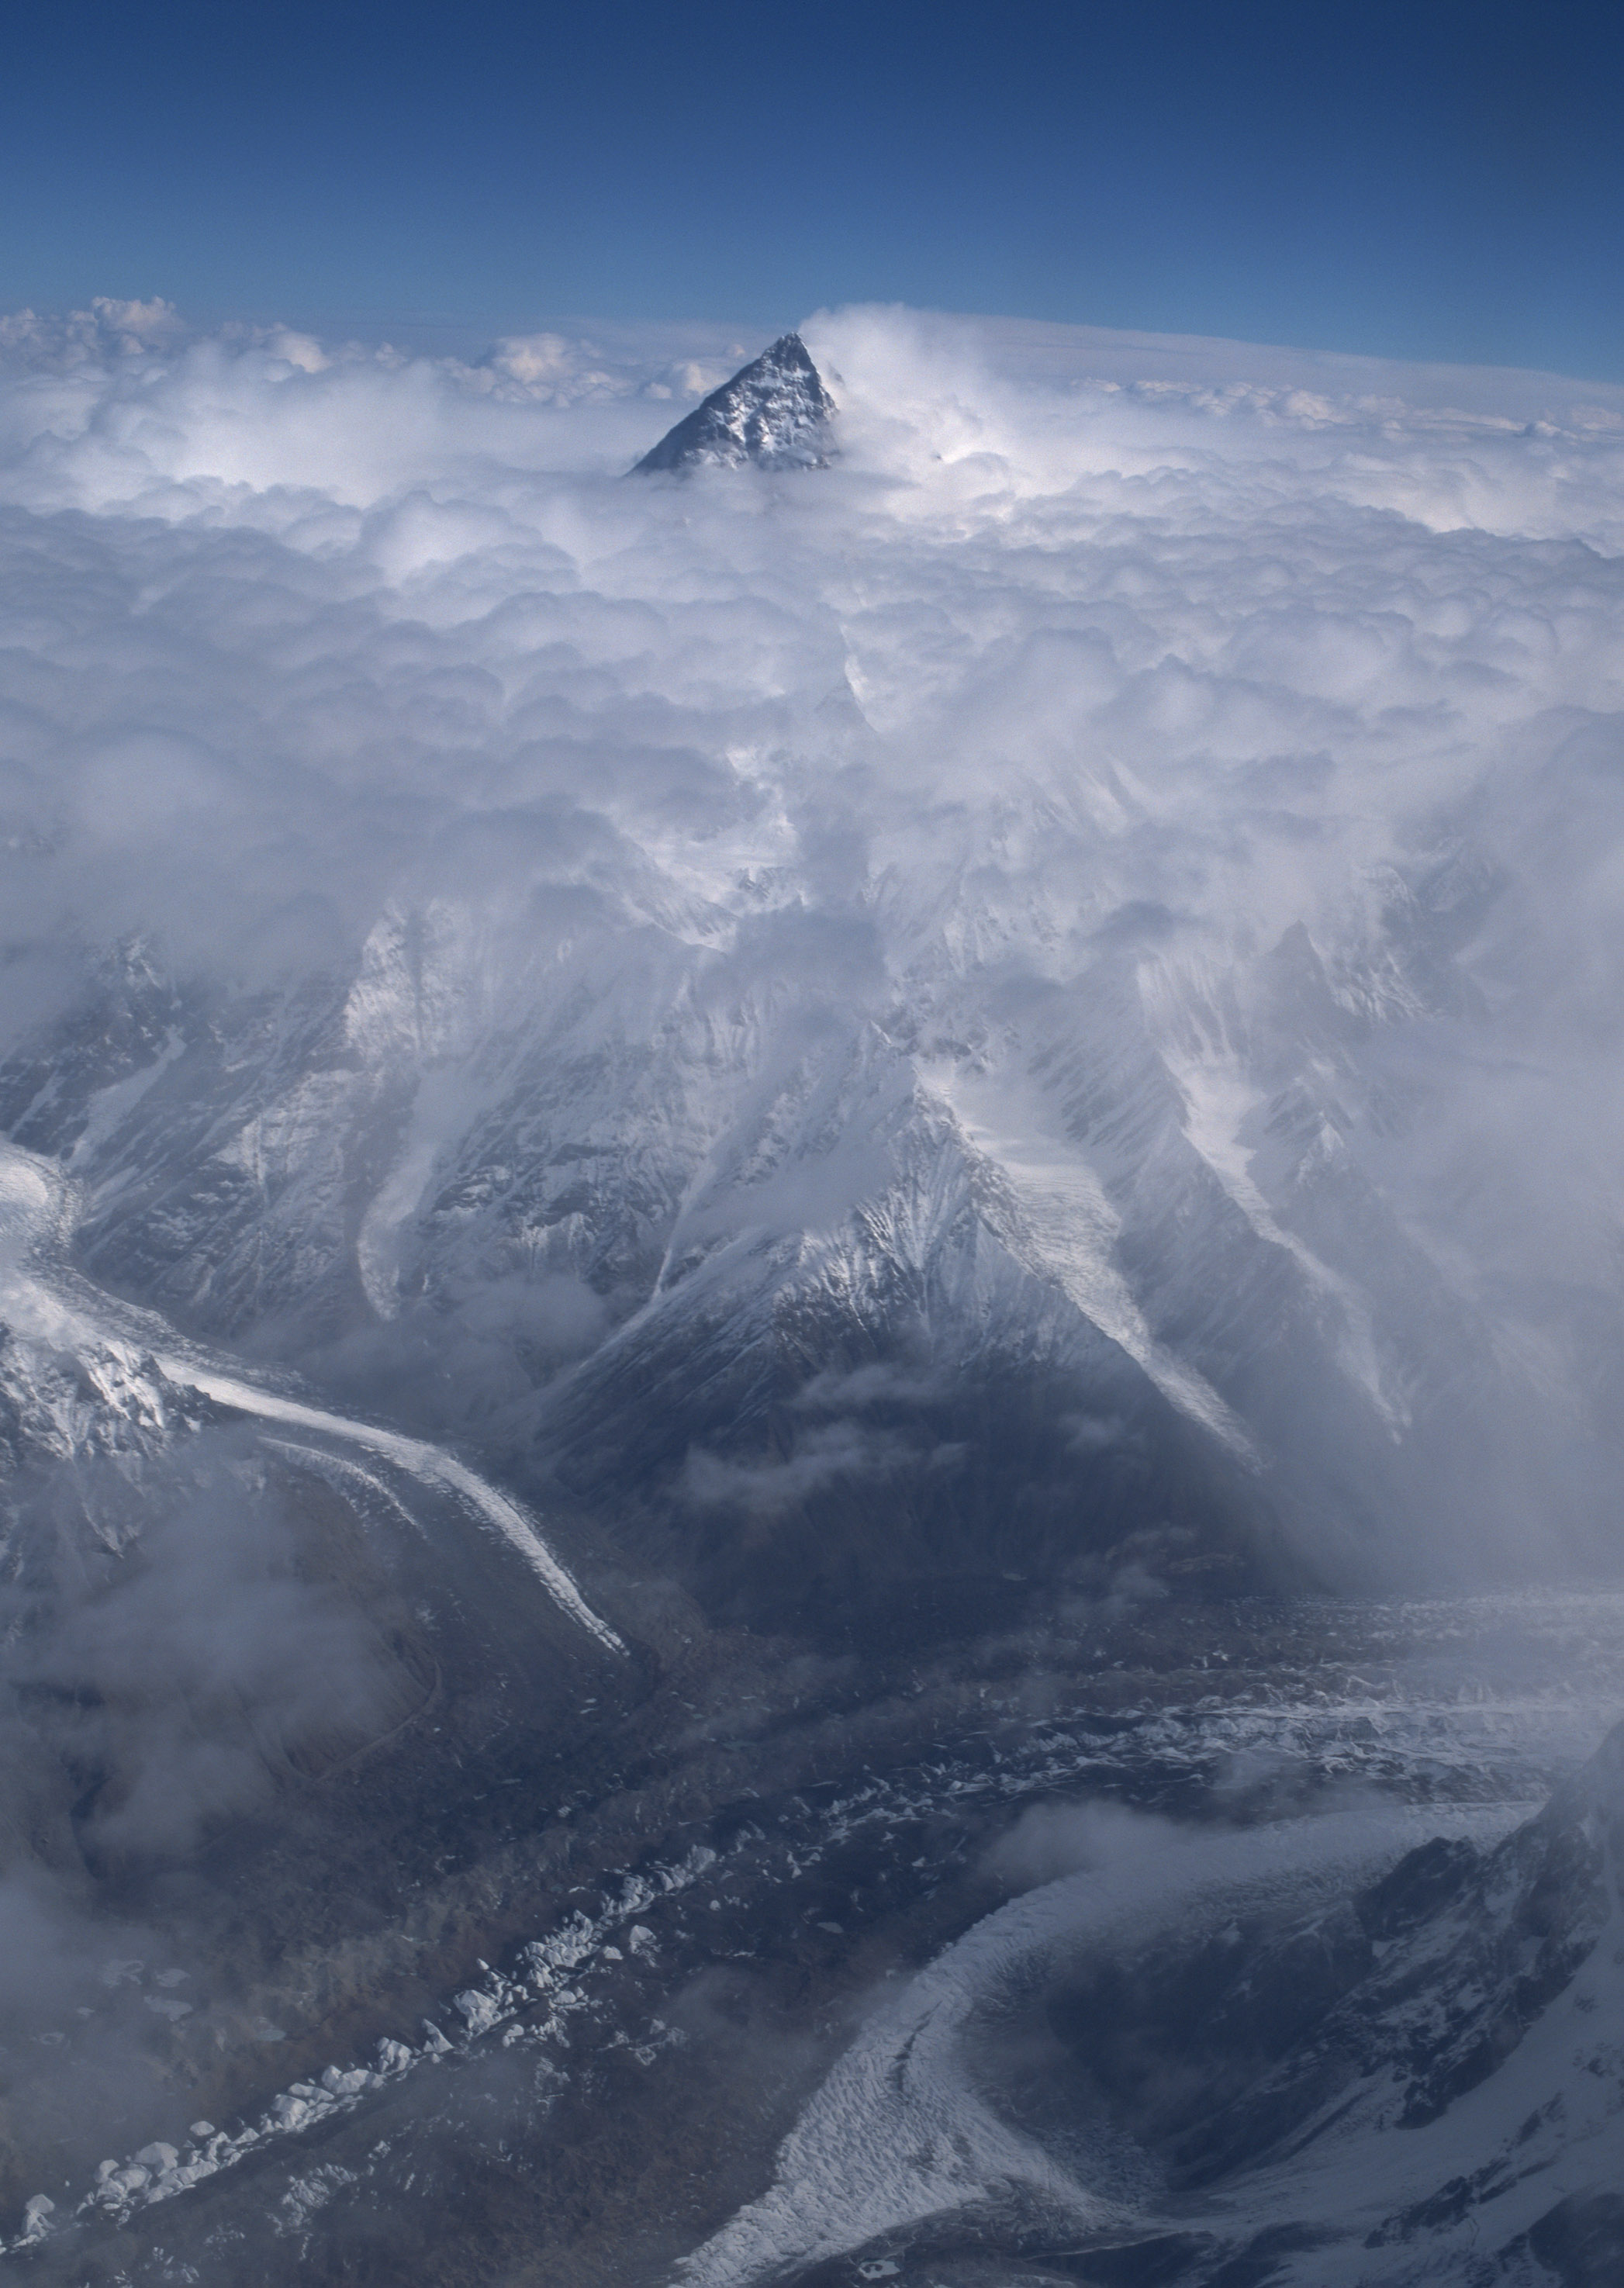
[(775, 411)]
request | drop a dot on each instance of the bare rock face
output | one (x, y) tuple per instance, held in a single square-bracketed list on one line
[(775, 412)]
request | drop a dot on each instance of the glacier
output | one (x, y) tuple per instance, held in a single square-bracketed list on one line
[(91, 1339)]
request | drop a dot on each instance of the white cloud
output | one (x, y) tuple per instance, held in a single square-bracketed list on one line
[(1087, 643), (1242, 663), (108, 328)]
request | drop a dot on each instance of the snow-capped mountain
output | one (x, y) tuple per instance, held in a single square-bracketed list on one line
[(1111, 1273), (775, 411)]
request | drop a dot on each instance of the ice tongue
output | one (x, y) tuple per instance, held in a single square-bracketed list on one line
[(775, 411)]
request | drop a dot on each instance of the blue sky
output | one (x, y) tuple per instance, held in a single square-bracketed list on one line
[(1431, 180)]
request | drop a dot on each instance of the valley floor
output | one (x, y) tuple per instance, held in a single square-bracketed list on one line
[(695, 1956)]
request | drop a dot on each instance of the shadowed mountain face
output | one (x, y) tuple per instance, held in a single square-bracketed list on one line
[(314, 1750), (822, 1269), (1205, 2059), (774, 412), (251, 1650)]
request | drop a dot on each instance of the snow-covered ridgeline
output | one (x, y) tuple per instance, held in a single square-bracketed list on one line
[(602, 1119)]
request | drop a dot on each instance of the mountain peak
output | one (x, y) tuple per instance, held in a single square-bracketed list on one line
[(774, 411)]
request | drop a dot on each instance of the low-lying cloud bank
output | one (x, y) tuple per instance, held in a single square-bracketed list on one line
[(1277, 698), (313, 614)]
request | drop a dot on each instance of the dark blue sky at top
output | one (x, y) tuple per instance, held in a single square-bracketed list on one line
[(1431, 180)]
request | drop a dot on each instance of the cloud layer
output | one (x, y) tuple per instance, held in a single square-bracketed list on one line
[(1287, 690)]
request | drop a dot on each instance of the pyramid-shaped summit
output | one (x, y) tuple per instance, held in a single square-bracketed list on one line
[(775, 412)]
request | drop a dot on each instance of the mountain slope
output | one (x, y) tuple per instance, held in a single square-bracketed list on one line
[(744, 1253), (775, 411)]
